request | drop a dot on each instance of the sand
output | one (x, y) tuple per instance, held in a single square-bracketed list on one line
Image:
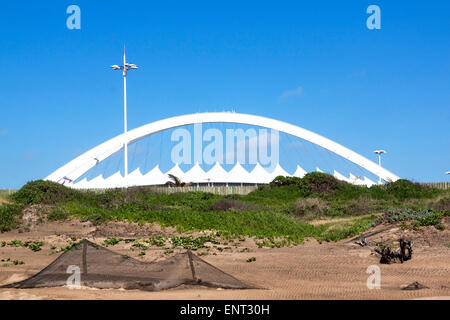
[(307, 271)]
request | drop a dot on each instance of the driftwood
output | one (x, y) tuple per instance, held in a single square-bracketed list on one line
[(415, 286), (363, 242), (390, 255)]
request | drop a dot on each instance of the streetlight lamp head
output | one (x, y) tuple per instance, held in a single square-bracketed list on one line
[(130, 66), (379, 151), (125, 67)]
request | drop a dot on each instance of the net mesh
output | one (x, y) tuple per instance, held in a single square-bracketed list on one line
[(105, 269)]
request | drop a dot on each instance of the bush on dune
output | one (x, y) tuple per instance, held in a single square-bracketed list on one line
[(327, 186), (312, 183), (419, 218), (43, 192), (9, 216), (405, 189), (231, 204), (441, 205), (272, 210), (311, 206)]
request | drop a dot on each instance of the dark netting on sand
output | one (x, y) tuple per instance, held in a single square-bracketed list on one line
[(103, 268)]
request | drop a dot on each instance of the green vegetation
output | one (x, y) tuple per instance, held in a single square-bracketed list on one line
[(9, 216), (158, 241), (251, 259), (42, 192), (32, 245), (139, 246), (70, 246), (3, 199), (111, 241), (192, 243), (189, 242), (57, 214), (338, 231), (276, 215), (414, 219)]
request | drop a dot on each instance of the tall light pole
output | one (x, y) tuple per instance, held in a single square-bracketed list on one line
[(379, 153), (125, 67)]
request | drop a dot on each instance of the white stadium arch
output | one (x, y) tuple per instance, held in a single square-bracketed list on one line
[(80, 165)]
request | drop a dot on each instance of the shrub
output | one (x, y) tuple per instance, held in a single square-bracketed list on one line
[(9, 216), (57, 214), (404, 189), (285, 181), (231, 204), (110, 199), (313, 206), (312, 183), (42, 192), (441, 205), (361, 206), (275, 195), (97, 218), (349, 191), (321, 183), (422, 217)]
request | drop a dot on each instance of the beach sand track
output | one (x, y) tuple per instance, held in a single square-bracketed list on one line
[(307, 271)]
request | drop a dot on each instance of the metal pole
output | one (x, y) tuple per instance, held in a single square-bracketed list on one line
[(125, 69), (379, 164), (125, 122)]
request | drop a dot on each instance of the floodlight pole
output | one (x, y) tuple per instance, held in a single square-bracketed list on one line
[(125, 121), (379, 153), (126, 66)]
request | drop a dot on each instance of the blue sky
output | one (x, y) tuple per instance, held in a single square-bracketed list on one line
[(310, 63)]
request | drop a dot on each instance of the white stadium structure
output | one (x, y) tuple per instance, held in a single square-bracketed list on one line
[(85, 171)]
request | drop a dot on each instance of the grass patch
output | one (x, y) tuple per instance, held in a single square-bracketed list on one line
[(339, 231), (3, 200), (276, 214)]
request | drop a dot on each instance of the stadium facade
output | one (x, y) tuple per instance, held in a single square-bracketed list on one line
[(219, 148)]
